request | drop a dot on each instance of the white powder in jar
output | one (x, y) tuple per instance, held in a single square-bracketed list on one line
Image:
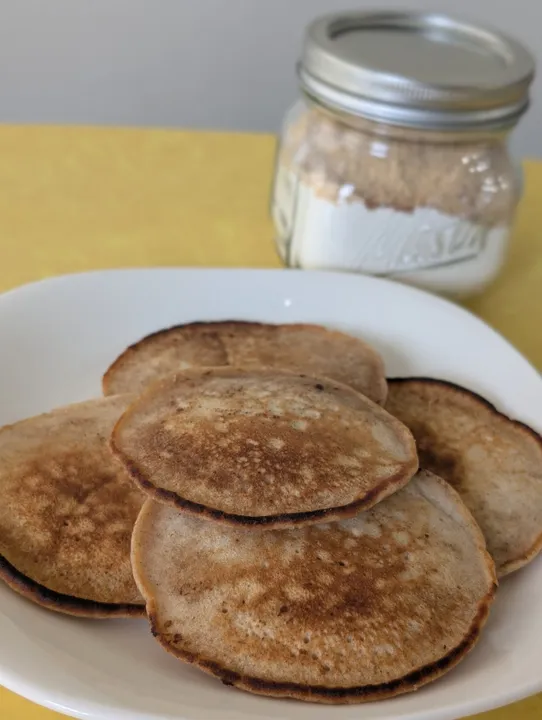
[(424, 247)]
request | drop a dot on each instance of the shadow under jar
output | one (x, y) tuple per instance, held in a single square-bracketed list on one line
[(395, 161)]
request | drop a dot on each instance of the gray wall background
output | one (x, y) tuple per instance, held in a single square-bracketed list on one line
[(225, 64)]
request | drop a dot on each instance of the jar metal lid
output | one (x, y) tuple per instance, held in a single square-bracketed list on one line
[(421, 70)]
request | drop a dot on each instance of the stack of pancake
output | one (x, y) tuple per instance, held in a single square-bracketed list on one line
[(256, 490)]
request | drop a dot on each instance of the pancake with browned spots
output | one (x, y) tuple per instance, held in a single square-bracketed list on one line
[(347, 612), (67, 512), (307, 348), (493, 462), (263, 447), (165, 352), (300, 347)]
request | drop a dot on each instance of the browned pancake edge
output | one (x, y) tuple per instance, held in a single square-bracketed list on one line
[(64, 604), (379, 393), (283, 521), (333, 696), (134, 347)]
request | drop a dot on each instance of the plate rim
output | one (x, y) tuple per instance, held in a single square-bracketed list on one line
[(214, 269)]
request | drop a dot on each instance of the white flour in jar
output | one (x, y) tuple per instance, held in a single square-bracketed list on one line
[(426, 247)]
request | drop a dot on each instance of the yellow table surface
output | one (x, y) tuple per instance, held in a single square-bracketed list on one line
[(74, 199)]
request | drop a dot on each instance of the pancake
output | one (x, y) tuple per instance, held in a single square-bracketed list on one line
[(347, 612), (67, 512), (305, 348), (162, 353), (312, 349), (263, 447), (494, 463)]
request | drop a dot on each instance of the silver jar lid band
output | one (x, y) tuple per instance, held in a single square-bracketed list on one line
[(416, 69)]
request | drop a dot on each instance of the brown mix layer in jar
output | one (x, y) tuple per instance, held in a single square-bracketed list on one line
[(472, 178)]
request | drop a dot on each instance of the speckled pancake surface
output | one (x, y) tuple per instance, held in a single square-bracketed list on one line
[(345, 612), (307, 348), (67, 512), (255, 446), (494, 463)]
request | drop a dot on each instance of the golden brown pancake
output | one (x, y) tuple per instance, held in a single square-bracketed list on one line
[(494, 463), (263, 447), (165, 352), (346, 612), (312, 349), (67, 512), (305, 348)]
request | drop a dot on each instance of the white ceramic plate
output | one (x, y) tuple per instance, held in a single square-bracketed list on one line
[(58, 336)]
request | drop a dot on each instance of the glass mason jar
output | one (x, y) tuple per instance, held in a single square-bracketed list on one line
[(425, 194)]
